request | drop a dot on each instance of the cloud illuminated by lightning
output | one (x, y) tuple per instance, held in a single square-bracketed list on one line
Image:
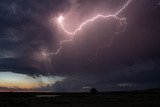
[(61, 19)]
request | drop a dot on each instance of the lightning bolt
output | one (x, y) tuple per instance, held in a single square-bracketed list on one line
[(72, 34)]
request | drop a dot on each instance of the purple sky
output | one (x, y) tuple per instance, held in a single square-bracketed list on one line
[(130, 59)]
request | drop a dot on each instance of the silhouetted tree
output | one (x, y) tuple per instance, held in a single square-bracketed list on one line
[(93, 91)]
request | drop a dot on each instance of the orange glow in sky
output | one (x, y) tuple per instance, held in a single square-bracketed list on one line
[(22, 81)]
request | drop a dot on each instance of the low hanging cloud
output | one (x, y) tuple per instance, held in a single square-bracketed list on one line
[(21, 81)]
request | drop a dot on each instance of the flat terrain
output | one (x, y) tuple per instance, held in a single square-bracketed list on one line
[(105, 99)]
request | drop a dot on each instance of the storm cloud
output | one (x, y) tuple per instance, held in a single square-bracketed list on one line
[(130, 60)]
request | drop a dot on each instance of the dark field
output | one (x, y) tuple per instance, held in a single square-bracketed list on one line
[(105, 99)]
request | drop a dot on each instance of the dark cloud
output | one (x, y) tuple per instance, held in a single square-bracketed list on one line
[(131, 62), (25, 31)]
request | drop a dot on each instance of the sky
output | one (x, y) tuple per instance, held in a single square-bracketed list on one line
[(114, 53)]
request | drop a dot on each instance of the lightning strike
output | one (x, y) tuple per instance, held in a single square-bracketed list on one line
[(61, 19)]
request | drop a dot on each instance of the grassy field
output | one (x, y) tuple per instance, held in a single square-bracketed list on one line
[(105, 99)]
